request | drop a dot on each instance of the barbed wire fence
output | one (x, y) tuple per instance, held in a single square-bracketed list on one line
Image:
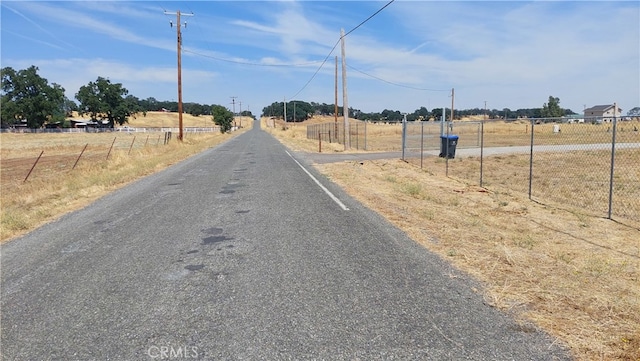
[(65, 155)]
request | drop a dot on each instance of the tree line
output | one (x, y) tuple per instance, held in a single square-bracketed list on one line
[(28, 97), (298, 111)]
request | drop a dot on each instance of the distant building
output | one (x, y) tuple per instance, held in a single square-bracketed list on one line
[(601, 113)]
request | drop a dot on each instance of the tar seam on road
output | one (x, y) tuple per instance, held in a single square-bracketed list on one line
[(335, 199)]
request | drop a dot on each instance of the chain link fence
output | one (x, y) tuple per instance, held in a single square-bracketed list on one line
[(594, 166), (335, 133)]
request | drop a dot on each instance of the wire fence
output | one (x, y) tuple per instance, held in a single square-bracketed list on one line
[(111, 130), (594, 166), (335, 133), (49, 156)]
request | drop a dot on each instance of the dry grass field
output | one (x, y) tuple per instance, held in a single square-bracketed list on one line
[(54, 187), (576, 276)]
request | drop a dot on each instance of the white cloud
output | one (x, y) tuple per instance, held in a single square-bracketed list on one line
[(86, 22), (141, 82)]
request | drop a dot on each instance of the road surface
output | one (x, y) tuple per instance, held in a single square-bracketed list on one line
[(243, 252)]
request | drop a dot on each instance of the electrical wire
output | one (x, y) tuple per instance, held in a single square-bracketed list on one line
[(301, 64), (369, 18), (334, 47), (397, 84), (249, 63)]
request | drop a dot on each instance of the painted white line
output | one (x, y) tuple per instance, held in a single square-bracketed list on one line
[(335, 199)]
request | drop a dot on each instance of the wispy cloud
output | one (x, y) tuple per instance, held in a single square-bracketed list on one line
[(37, 26), (84, 21)]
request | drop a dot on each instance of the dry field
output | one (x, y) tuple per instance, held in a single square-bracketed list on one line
[(55, 187), (164, 120), (574, 275)]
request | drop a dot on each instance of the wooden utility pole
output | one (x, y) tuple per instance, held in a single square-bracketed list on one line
[(284, 103), (345, 103), (233, 101), (335, 108), (452, 99), (177, 13)]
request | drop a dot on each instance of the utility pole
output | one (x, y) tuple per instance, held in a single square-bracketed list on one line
[(240, 114), (177, 13), (485, 110), (345, 103), (284, 104), (335, 109), (452, 99), (233, 101)]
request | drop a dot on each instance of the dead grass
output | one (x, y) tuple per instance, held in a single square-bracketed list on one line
[(164, 120), (575, 275), (55, 189)]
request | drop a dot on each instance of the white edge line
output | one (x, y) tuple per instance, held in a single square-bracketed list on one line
[(328, 192)]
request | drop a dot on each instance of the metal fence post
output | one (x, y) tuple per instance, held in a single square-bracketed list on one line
[(365, 135), (421, 143), (404, 135), (131, 146), (109, 152), (613, 163), (77, 160), (34, 165), (481, 150), (531, 159), (446, 151)]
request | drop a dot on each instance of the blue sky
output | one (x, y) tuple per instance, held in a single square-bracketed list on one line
[(511, 54)]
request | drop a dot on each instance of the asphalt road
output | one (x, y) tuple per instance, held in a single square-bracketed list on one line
[(238, 254), (463, 152)]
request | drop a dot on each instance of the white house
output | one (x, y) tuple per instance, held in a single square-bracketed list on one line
[(601, 113)]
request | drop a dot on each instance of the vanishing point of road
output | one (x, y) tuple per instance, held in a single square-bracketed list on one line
[(243, 252)]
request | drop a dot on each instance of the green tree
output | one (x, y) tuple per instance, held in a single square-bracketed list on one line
[(106, 101), (223, 117), (69, 106), (552, 108), (28, 96), (634, 112), (422, 113)]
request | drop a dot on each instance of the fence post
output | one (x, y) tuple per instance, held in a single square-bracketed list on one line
[(319, 142), (146, 141), (77, 160), (421, 143), (131, 146), (531, 159), (34, 165), (613, 163), (365, 134), (114, 142), (357, 137), (481, 149), (404, 135), (446, 150)]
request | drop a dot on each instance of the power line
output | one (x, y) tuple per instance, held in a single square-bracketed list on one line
[(369, 18), (397, 84), (336, 44), (250, 63)]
